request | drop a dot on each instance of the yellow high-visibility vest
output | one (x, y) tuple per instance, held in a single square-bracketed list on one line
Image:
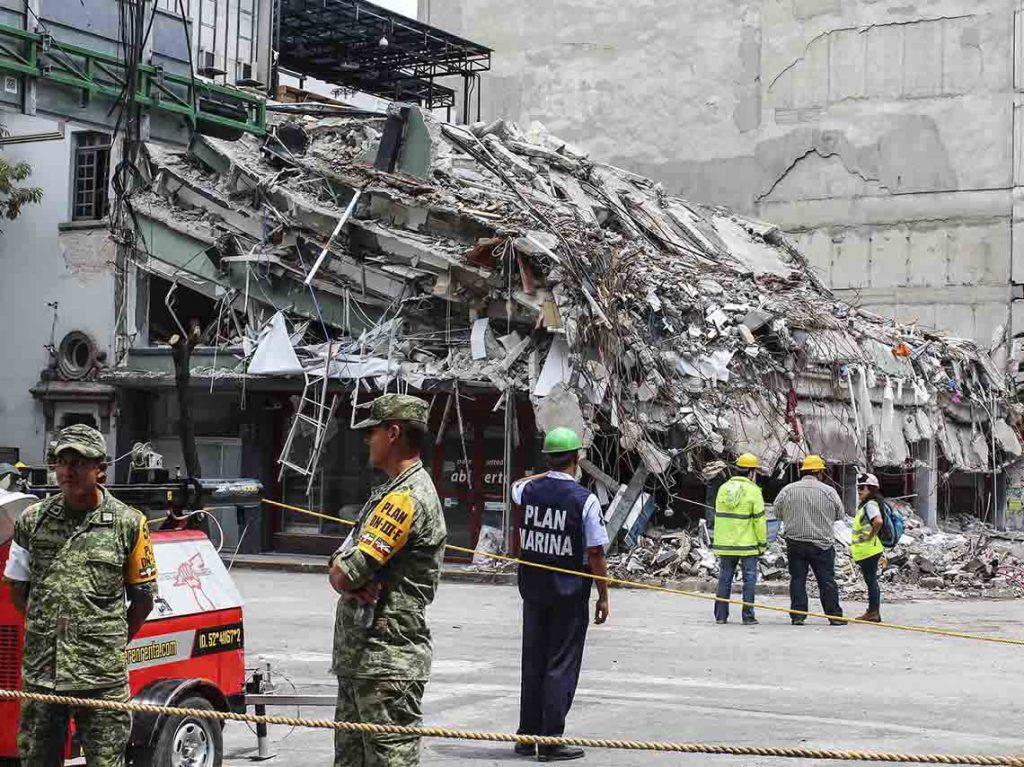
[(741, 529), (862, 527)]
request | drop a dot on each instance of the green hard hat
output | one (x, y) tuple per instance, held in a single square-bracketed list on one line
[(562, 440)]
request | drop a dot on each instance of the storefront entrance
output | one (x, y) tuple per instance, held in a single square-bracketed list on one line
[(467, 465)]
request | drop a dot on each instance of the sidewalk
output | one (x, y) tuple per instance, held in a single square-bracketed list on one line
[(464, 573)]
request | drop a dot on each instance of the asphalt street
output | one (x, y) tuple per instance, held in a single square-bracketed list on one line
[(661, 669)]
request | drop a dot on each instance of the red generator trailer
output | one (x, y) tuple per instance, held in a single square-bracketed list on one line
[(189, 653)]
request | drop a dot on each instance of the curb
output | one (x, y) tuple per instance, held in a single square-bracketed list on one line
[(273, 564), (460, 575)]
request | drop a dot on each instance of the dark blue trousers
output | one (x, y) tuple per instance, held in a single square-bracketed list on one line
[(554, 632)]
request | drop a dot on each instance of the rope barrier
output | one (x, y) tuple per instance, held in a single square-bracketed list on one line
[(692, 594), (505, 737)]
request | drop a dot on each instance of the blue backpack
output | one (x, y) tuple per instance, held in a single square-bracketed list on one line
[(892, 526)]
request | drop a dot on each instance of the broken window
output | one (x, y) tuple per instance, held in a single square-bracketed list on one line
[(187, 304), (92, 175)]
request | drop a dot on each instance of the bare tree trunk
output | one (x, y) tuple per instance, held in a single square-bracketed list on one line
[(181, 353)]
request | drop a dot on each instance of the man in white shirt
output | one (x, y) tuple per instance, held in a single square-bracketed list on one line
[(561, 527)]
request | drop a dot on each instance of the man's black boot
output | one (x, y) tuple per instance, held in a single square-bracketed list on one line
[(559, 753), (525, 749)]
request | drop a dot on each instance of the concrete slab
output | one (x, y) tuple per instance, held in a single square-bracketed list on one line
[(661, 669)]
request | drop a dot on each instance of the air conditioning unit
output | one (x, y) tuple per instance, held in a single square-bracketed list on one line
[(244, 70), (206, 65)]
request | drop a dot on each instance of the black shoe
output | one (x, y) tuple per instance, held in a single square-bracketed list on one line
[(525, 749), (559, 753), (721, 621), (799, 621), (836, 623), (750, 621)]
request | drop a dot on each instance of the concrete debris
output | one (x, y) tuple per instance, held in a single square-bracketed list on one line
[(708, 328), (966, 558)]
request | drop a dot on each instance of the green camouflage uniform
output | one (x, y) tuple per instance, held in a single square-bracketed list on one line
[(76, 626), (382, 667)]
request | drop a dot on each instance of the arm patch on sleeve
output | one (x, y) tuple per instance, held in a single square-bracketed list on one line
[(18, 566), (140, 566), (387, 528)]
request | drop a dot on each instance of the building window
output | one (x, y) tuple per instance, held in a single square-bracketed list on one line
[(220, 456), (172, 6), (92, 176), (75, 419)]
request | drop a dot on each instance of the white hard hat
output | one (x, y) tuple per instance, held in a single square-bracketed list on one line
[(867, 480)]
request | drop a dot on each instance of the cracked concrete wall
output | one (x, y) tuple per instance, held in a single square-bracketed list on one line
[(879, 134)]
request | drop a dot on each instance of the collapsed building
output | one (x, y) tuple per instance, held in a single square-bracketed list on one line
[(519, 285)]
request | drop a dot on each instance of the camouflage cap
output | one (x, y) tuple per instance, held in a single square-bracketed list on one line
[(84, 440), (395, 407)]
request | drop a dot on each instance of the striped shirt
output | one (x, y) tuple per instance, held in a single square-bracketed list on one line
[(807, 509)]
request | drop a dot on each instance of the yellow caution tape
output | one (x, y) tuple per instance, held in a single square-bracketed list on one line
[(694, 594), (507, 737)]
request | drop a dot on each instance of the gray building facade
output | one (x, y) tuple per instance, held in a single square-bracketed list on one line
[(884, 136), (64, 320)]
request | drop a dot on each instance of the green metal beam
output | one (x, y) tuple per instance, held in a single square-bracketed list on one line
[(24, 52)]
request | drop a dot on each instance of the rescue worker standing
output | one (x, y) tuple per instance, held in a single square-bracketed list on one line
[(561, 526), (866, 548), (387, 573), (741, 536), (74, 558), (808, 508)]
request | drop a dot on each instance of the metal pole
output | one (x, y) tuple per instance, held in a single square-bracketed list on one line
[(262, 737), (465, 99), (260, 680), (337, 229), (506, 514)]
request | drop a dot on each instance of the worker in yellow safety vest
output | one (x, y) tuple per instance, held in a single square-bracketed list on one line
[(741, 536), (866, 548)]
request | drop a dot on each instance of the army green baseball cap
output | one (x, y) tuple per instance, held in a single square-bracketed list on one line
[(395, 407), (84, 440)]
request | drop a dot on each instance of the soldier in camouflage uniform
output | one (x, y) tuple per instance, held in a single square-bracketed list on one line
[(74, 558), (387, 573)]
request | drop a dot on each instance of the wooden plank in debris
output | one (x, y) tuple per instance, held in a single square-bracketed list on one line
[(620, 507), (608, 481)]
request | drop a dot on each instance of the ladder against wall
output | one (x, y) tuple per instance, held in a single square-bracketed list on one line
[(316, 408)]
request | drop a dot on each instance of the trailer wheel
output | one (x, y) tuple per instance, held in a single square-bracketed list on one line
[(188, 741)]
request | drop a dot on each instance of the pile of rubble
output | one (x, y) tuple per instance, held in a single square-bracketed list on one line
[(495, 257), (966, 558)]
